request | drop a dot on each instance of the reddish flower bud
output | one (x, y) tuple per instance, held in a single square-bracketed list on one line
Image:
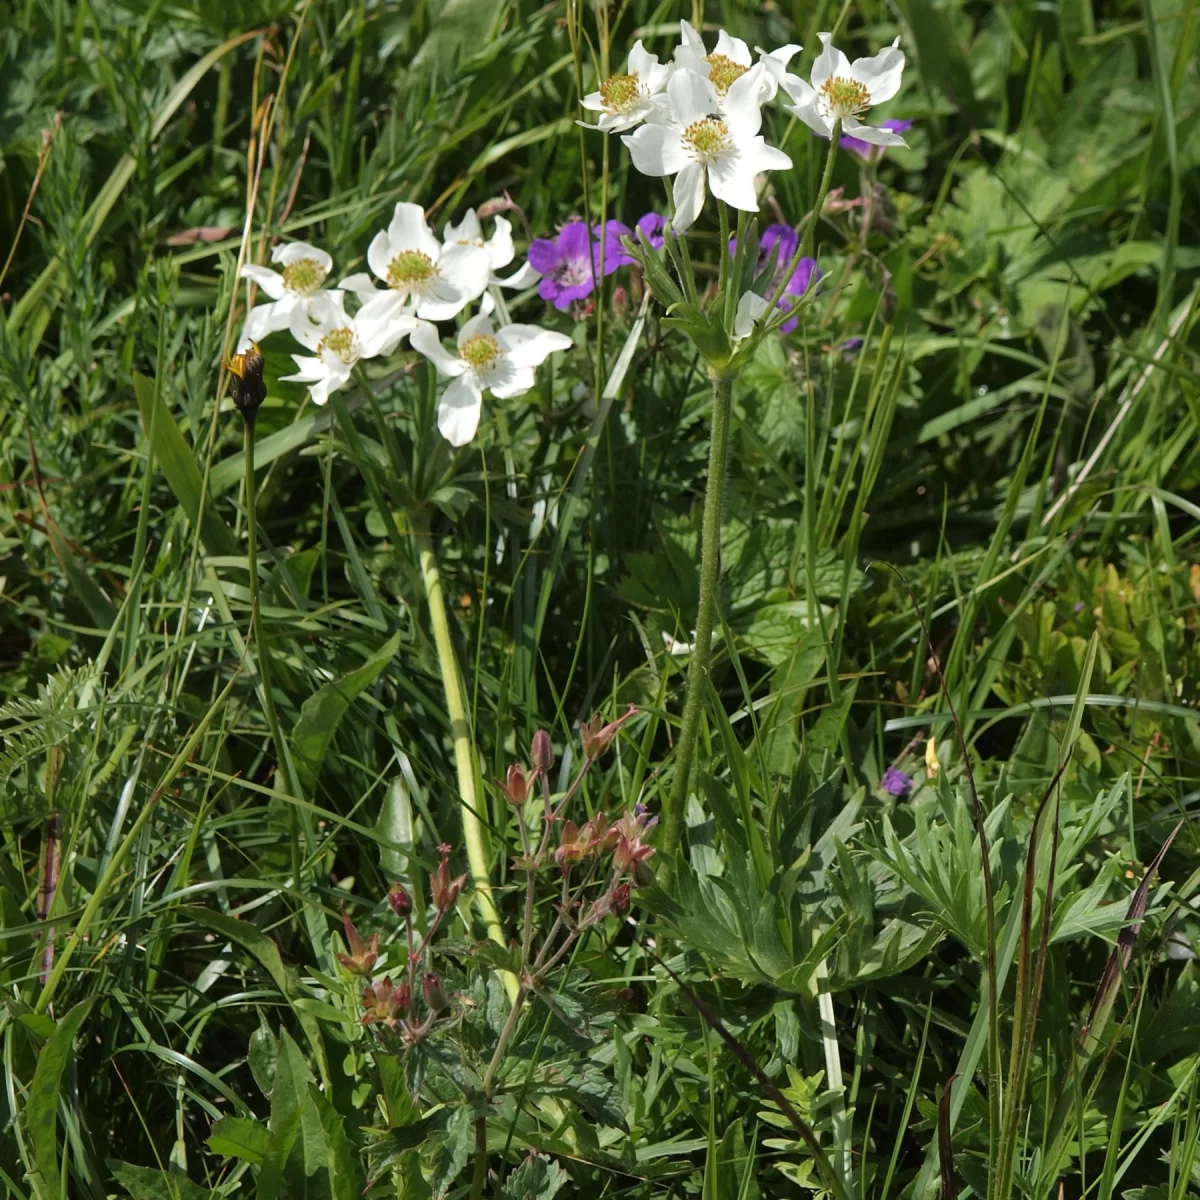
[(597, 738), (363, 955), (619, 899), (516, 786), (399, 899), (541, 752), (442, 887), (433, 991), (572, 847), (384, 1004), (620, 301)]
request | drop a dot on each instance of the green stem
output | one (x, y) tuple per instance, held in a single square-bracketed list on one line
[(464, 753), (710, 577)]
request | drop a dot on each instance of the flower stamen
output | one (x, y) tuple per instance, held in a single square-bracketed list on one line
[(620, 93), (845, 97), (410, 269), (340, 342), (480, 351), (304, 276), (707, 139), (723, 72)]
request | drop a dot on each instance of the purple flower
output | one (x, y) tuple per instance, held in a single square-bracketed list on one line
[(867, 153), (895, 782), (651, 225), (805, 276), (850, 348), (566, 265)]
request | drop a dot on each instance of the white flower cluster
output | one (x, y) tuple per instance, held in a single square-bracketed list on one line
[(698, 117), (424, 281)]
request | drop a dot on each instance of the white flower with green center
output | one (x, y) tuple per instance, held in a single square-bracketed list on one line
[(339, 342), (624, 101), (303, 275), (469, 258), (842, 90), (421, 278), (500, 361), (730, 60), (702, 135)]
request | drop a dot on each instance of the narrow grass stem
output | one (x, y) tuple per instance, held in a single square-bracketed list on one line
[(474, 833), (710, 578)]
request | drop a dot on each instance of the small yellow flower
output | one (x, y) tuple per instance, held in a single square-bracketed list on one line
[(932, 766)]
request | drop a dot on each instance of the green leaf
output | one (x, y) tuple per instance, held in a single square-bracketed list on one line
[(321, 712), (240, 1137), (178, 464), (151, 1183), (537, 1178), (41, 1107), (82, 584)]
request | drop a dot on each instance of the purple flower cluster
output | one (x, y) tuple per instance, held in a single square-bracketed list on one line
[(864, 150), (570, 263), (895, 782), (805, 276)]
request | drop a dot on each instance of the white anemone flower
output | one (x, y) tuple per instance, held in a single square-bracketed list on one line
[(304, 271), (843, 90), (730, 60), (703, 135), (339, 342), (500, 361), (469, 258), (421, 277), (624, 101)]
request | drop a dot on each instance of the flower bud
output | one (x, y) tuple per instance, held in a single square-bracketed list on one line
[(541, 753), (620, 301), (399, 899), (248, 387), (619, 899), (384, 1004), (572, 847), (516, 785), (597, 738), (363, 955), (433, 991), (443, 889)]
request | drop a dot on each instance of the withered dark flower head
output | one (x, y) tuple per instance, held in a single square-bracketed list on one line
[(248, 386)]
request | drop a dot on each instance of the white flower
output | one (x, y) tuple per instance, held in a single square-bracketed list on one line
[(305, 269), (623, 101), (700, 134), (842, 90), (750, 307), (469, 258), (420, 274), (501, 362), (339, 342), (730, 60)]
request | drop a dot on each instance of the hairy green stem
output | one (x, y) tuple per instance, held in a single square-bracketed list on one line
[(464, 752), (710, 578)]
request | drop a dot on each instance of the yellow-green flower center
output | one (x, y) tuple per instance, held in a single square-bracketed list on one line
[(304, 276), (341, 343), (619, 93), (480, 351), (410, 269), (723, 72), (706, 139), (845, 97)]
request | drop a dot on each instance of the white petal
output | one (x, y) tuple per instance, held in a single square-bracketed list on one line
[(657, 150), (291, 252), (743, 101), (467, 268), (270, 281), (872, 133), (525, 277), (693, 98), (800, 91), (478, 324), (409, 231), (268, 318), (689, 196), (303, 329), (361, 285), (384, 305), (759, 156), (487, 304), (691, 39), (500, 244), (782, 56), (323, 389), (529, 345), (811, 115), (379, 254), (459, 409), (731, 178), (382, 337), (442, 300), (750, 308), (593, 102), (831, 62), (467, 230), (733, 48), (880, 75), (641, 61), (309, 370), (328, 309), (425, 339), (507, 380)]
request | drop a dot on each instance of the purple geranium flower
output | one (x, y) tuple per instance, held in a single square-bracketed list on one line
[(895, 782), (651, 225), (566, 265), (805, 276), (864, 150)]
